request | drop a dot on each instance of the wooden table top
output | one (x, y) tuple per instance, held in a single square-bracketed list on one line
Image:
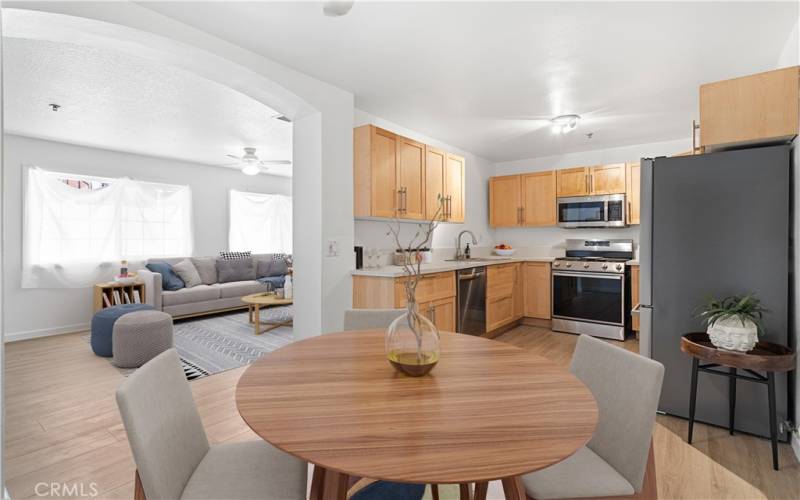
[(765, 356), (263, 299), (487, 411)]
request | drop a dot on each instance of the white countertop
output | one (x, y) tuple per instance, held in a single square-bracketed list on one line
[(632, 263), (441, 267)]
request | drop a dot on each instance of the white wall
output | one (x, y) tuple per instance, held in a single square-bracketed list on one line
[(372, 234), (43, 311), (322, 136), (548, 241)]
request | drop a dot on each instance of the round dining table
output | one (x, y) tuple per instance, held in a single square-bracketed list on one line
[(488, 411)]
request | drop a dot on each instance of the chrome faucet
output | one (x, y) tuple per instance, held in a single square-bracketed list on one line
[(459, 255)]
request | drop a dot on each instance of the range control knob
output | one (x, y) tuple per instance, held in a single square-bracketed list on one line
[(619, 267), (556, 264), (605, 266), (586, 265), (569, 264)]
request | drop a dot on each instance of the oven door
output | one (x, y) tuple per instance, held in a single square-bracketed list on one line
[(592, 297), (583, 211)]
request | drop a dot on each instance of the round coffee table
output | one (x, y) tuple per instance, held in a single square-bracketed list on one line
[(488, 411), (258, 300)]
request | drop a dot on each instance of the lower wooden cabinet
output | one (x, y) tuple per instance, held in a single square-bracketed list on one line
[(441, 312), (502, 295), (436, 296), (635, 297), (536, 284), (499, 311)]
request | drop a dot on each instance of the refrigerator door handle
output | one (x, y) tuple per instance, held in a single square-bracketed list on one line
[(645, 330)]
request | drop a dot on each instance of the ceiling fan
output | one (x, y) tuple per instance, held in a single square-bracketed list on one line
[(252, 164)]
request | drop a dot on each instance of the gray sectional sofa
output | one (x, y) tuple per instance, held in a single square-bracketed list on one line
[(200, 299)]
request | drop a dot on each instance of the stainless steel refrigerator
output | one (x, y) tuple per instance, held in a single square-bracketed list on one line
[(714, 224)]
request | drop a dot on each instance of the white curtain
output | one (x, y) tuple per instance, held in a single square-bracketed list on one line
[(261, 223), (73, 237)]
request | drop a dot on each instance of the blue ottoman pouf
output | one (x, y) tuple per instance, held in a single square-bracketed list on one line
[(103, 326), (387, 490)]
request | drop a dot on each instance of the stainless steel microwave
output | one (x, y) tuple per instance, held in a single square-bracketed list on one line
[(592, 211)]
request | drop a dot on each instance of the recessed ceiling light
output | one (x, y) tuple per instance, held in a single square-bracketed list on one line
[(337, 8), (565, 123)]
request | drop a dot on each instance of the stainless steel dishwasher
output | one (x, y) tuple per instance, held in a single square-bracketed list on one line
[(471, 301)]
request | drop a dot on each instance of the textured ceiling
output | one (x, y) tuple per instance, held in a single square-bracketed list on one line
[(476, 74), (114, 101)]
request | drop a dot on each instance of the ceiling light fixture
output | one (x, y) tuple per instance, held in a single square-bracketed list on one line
[(337, 8), (565, 123), (249, 168)]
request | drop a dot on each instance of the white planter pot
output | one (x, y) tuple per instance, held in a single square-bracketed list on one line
[(729, 334)]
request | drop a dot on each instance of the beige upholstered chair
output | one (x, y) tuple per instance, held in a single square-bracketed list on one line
[(618, 460), (172, 453), (370, 319)]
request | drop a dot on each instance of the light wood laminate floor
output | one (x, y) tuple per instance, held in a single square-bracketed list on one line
[(62, 427)]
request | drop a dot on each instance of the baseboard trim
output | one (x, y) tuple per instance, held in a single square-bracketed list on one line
[(44, 332)]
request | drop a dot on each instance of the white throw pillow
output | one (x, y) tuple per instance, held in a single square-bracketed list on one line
[(188, 273)]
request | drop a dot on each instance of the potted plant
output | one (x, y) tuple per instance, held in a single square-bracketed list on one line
[(733, 322)]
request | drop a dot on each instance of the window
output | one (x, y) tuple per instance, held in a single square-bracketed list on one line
[(261, 223), (77, 229)]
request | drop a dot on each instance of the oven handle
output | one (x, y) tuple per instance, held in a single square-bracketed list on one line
[(589, 275)]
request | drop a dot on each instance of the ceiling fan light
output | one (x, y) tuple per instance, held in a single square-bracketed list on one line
[(565, 123), (251, 169)]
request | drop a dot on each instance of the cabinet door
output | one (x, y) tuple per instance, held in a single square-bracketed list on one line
[(750, 109), (383, 173), (410, 175), (539, 199), (537, 289), (434, 181), (504, 201), (499, 312), (635, 296), (572, 181), (444, 314), (633, 190), (607, 179), (518, 293), (454, 187)]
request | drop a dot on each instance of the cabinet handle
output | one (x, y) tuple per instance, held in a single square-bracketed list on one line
[(405, 200), (400, 200)]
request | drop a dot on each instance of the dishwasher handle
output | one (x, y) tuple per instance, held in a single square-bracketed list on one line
[(468, 277)]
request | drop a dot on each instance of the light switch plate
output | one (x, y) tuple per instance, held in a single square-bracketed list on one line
[(332, 248)]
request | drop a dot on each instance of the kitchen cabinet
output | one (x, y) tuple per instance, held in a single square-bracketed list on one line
[(764, 107), (435, 160), (519, 292), (635, 296), (607, 179), (633, 191), (538, 199), (375, 172), (410, 178), (504, 201), (536, 289), (572, 181), (441, 312), (500, 299), (454, 188), (394, 176)]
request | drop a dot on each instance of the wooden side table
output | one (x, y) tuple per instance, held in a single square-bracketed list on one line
[(113, 293), (764, 357)]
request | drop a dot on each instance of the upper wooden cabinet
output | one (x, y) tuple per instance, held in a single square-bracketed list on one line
[(523, 200), (435, 160), (454, 187), (573, 181), (538, 199), (504, 201), (757, 108), (410, 179), (607, 179), (394, 176), (375, 172), (633, 190)]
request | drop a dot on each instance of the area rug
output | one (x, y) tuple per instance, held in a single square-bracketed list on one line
[(213, 344)]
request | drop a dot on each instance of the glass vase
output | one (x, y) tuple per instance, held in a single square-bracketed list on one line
[(412, 342)]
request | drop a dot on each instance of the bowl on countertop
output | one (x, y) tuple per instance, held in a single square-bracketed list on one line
[(505, 252)]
